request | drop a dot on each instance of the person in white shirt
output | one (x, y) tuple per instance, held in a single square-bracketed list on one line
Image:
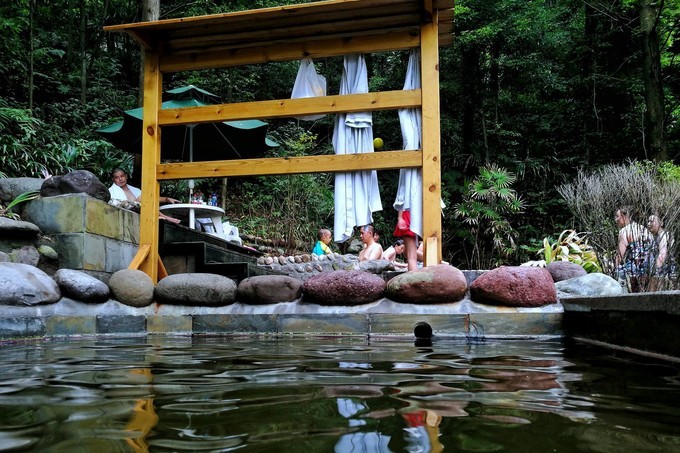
[(127, 196)]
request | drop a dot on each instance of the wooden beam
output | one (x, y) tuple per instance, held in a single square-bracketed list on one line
[(142, 253), (432, 219), (229, 56), (144, 39), (151, 157), (383, 160), (385, 100), (295, 32)]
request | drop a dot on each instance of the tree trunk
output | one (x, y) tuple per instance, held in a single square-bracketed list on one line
[(591, 120), (83, 53), (471, 74), (151, 10), (30, 54), (650, 11)]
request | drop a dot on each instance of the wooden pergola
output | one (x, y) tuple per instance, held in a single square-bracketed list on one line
[(320, 29)]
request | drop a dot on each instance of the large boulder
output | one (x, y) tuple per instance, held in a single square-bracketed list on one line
[(77, 181), (269, 289), (81, 286), (590, 285), (564, 270), (24, 285), (132, 287), (10, 228), (10, 188), (343, 288), (25, 255), (51, 187), (210, 290), (431, 285), (515, 286)]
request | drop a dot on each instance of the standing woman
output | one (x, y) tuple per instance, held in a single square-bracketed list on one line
[(632, 249), (660, 263)]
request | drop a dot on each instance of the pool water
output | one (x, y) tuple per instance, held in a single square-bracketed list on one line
[(333, 394)]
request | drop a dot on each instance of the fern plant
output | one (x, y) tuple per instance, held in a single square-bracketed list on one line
[(487, 207), (26, 196)]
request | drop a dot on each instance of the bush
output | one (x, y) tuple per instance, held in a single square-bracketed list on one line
[(648, 188), (488, 205)]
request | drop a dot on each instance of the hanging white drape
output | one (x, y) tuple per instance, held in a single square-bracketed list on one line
[(356, 193), (410, 189)]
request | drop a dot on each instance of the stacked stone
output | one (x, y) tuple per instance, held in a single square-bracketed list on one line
[(25, 285), (307, 265)]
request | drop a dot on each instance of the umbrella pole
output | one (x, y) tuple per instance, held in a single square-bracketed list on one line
[(191, 159), (191, 181)]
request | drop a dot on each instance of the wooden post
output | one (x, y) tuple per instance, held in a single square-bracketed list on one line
[(151, 157), (429, 61)]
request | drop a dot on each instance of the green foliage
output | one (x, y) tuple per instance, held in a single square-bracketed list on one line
[(488, 205), (570, 246), (292, 207), (22, 198), (539, 88)]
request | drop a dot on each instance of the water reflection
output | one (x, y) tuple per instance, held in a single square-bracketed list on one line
[(344, 395), (143, 417)]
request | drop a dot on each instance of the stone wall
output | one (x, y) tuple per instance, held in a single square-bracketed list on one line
[(87, 234)]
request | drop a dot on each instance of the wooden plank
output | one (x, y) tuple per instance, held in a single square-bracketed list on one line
[(384, 160), (229, 57), (142, 253), (331, 26), (283, 25), (432, 223), (281, 108), (280, 14), (431, 252), (162, 271), (151, 156), (341, 12)]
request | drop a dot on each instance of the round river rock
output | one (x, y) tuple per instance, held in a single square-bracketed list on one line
[(343, 288)]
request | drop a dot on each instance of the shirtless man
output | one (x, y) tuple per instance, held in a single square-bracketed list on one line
[(372, 250)]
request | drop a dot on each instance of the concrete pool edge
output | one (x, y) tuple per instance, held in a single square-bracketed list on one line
[(456, 320), (643, 324)]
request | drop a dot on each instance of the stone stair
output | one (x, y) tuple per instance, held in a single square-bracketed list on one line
[(184, 250)]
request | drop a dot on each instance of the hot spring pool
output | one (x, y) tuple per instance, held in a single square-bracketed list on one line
[(333, 394)]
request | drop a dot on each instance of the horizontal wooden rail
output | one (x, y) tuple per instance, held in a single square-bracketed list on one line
[(229, 57), (383, 160), (281, 108)]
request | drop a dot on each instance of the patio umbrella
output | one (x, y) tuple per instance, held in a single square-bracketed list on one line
[(356, 193), (193, 142), (410, 188)]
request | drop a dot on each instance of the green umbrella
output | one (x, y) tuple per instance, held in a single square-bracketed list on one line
[(193, 142)]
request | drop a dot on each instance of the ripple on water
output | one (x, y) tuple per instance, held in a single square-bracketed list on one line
[(223, 394)]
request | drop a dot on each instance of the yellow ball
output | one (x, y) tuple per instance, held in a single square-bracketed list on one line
[(378, 143)]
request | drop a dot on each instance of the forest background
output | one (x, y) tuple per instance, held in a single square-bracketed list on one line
[(532, 92)]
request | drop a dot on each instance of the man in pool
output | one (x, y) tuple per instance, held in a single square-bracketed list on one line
[(372, 250)]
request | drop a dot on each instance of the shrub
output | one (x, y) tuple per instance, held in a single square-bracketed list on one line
[(486, 209), (646, 187), (570, 246)]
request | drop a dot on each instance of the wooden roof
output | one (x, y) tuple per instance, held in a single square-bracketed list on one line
[(184, 40)]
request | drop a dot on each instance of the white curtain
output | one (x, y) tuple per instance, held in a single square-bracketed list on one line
[(410, 189), (356, 193)]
